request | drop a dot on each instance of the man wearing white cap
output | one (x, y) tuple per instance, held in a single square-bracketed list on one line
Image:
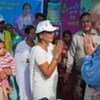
[(43, 63), (5, 35)]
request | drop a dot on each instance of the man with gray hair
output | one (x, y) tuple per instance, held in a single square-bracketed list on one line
[(76, 54), (92, 56)]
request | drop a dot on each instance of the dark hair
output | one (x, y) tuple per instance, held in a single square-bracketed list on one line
[(7, 25), (2, 22), (67, 32), (38, 35), (41, 15), (28, 28), (2, 41), (26, 4), (84, 14), (55, 40)]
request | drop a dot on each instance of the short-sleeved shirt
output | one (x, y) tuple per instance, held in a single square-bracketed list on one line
[(40, 85)]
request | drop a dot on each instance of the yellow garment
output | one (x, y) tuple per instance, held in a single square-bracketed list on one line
[(7, 39)]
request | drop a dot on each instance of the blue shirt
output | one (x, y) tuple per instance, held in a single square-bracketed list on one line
[(91, 69)]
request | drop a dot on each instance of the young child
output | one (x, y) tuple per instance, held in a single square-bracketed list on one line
[(6, 61)]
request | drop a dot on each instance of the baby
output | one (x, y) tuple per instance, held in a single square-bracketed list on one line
[(6, 62)]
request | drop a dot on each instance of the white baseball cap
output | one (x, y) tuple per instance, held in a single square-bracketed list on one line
[(45, 26), (1, 18)]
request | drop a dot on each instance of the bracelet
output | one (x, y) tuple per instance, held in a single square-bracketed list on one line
[(56, 58)]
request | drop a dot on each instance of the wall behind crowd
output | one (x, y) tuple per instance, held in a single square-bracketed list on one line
[(64, 13), (70, 11), (11, 10)]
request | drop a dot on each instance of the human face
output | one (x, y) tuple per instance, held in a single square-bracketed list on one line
[(48, 37), (10, 29), (2, 49), (1, 26), (31, 35), (86, 23), (39, 19), (97, 26), (67, 38), (26, 9)]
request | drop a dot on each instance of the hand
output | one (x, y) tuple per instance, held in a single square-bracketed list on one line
[(7, 71), (58, 48), (95, 94), (64, 53), (3, 75), (89, 48)]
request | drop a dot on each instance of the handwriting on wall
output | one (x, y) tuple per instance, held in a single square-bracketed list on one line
[(8, 5)]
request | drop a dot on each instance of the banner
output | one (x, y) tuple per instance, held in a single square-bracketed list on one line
[(70, 15), (11, 9), (87, 5), (54, 12)]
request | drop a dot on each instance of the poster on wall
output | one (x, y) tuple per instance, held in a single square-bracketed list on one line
[(11, 10), (54, 15), (54, 12), (70, 15)]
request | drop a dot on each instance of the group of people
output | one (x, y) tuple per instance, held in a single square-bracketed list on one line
[(44, 70)]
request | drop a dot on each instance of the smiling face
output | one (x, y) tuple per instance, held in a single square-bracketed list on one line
[(86, 23), (2, 49), (31, 35)]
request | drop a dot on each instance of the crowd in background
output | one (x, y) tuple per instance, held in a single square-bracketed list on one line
[(36, 65)]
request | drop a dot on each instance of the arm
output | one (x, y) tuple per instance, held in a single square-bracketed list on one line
[(89, 70), (96, 93), (46, 68), (5, 73), (18, 26), (90, 67)]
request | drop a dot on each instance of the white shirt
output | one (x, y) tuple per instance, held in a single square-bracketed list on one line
[(40, 85), (22, 70)]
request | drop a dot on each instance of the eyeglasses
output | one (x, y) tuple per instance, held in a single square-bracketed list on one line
[(85, 21)]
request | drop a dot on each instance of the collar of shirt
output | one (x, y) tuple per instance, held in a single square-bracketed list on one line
[(93, 32)]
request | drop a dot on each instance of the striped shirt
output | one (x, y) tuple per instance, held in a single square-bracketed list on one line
[(8, 62)]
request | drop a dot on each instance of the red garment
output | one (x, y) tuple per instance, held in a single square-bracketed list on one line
[(7, 62), (64, 88)]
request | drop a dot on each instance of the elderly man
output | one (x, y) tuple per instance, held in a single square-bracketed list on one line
[(92, 52), (76, 54)]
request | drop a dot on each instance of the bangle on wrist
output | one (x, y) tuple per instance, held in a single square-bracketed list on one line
[(56, 57)]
